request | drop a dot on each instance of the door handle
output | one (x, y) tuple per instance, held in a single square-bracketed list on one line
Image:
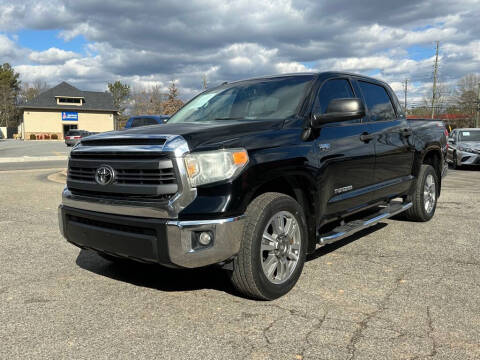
[(366, 137)]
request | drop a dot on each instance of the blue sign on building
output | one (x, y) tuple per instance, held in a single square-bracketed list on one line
[(69, 116)]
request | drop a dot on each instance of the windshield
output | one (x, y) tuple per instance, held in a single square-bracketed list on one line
[(470, 135), (275, 98)]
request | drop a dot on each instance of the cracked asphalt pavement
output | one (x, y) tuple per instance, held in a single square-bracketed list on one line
[(400, 290)]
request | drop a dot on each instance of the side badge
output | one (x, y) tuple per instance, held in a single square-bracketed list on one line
[(343, 189), (324, 147)]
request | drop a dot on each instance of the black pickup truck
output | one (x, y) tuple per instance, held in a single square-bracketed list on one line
[(252, 176)]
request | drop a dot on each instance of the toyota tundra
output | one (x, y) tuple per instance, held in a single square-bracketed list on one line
[(254, 175)]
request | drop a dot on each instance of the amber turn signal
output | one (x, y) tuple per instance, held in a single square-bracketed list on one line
[(240, 157)]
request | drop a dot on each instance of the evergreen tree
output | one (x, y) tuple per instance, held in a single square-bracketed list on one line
[(9, 89)]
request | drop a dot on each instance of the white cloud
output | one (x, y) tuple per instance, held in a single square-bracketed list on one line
[(150, 43), (9, 51), (291, 67), (52, 56)]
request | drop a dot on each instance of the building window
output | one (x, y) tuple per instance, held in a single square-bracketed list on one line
[(70, 101)]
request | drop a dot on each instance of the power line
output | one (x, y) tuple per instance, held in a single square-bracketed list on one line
[(477, 115), (435, 70)]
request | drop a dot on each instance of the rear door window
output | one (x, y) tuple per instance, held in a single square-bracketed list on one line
[(378, 102)]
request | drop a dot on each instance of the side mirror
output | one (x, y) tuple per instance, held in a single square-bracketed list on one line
[(340, 110)]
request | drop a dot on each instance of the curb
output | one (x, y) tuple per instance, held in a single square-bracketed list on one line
[(59, 177), (24, 159)]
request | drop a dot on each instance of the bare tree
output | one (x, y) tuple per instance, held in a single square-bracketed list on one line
[(466, 94), (29, 91), (147, 101), (444, 97)]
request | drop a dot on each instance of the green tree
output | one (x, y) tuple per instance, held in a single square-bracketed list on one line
[(120, 93), (9, 89)]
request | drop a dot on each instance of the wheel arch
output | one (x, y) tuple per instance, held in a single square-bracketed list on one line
[(300, 188), (433, 156)]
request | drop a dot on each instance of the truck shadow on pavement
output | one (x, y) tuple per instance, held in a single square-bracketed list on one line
[(156, 276), (166, 279)]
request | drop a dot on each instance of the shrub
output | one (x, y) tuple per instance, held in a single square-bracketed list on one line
[(33, 137), (54, 137), (46, 137)]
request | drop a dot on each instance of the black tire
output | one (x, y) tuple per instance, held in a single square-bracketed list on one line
[(248, 276), (455, 161), (418, 212)]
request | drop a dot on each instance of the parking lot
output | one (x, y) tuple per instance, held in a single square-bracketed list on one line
[(400, 290), (17, 155)]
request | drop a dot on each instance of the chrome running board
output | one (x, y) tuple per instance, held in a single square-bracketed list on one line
[(350, 228)]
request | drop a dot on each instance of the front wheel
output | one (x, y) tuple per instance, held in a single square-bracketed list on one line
[(273, 247), (424, 199), (454, 161)]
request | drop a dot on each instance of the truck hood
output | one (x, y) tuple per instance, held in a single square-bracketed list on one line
[(208, 135)]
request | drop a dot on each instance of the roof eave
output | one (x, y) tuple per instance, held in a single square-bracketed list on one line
[(23, 107)]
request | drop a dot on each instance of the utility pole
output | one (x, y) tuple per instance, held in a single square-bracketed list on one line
[(477, 117), (435, 72), (204, 81), (405, 89)]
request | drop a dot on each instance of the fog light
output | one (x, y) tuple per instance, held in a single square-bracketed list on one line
[(205, 238)]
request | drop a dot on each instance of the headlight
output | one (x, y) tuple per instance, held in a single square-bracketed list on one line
[(464, 148), (211, 166)]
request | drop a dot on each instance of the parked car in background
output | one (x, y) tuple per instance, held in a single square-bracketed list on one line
[(74, 136), (464, 147), (144, 120)]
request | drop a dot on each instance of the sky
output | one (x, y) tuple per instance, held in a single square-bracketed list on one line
[(145, 43)]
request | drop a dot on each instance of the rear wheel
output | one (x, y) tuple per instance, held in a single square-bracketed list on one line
[(424, 199), (273, 248)]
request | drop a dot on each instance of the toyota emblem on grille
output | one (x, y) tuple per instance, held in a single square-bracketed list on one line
[(104, 175)]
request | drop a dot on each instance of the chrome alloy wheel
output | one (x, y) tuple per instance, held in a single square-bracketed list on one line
[(429, 193), (280, 247)]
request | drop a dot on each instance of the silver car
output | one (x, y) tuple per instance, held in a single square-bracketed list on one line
[(464, 147), (74, 136)]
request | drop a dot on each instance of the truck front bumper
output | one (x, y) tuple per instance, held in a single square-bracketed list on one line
[(168, 242)]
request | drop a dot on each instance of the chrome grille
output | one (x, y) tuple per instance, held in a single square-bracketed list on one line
[(145, 200), (139, 174), (126, 176)]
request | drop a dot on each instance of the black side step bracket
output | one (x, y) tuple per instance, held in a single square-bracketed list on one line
[(350, 228)]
